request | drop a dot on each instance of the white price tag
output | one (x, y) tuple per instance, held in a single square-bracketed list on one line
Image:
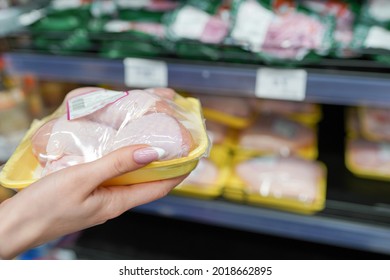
[(145, 73), (282, 84), (89, 102)]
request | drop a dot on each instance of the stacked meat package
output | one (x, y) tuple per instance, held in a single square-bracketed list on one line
[(269, 148), (93, 122), (274, 158), (368, 142), (223, 115)]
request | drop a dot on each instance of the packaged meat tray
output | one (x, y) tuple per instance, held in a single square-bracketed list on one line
[(368, 159), (233, 112), (375, 123), (275, 134), (92, 122), (209, 177), (307, 113), (286, 183)]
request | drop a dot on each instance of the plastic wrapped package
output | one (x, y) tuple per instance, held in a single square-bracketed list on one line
[(209, 177), (273, 134), (345, 13), (286, 183), (308, 113), (376, 12), (151, 10), (93, 122), (137, 30), (134, 38), (281, 35), (375, 123), (373, 40), (233, 112), (368, 159), (197, 29)]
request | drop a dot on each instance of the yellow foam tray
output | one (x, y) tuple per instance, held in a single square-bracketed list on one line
[(22, 168), (235, 190)]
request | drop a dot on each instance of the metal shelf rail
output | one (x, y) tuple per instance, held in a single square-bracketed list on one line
[(317, 228), (323, 86)]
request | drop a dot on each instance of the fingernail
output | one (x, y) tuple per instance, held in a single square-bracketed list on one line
[(147, 155)]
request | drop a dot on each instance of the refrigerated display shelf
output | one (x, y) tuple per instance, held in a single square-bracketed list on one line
[(327, 86), (357, 213), (321, 228)]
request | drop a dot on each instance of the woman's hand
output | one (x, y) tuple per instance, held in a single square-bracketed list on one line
[(72, 199)]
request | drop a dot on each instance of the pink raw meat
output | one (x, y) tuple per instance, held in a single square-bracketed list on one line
[(275, 134), (291, 35), (215, 31), (376, 123), (369, 156), (157, 130), (130, 107), (291, 178), (204, 175), (79, 137)]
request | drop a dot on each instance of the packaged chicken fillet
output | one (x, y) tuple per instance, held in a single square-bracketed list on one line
[(368, 159), (345, 13), (198, 30), (280, 32), (277, 135), (209, 177), (286, 183), (375, 123), (92, 122), (307, 113), (233, 112)]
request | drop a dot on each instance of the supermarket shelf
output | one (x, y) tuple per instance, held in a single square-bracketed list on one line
[(325, 86), (319, 228)]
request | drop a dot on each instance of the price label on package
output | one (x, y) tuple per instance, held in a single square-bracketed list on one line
[(145, 73), (285, 84)]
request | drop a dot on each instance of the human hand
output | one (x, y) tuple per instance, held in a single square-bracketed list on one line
[(72, 199)]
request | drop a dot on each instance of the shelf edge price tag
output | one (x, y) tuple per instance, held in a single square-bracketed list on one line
[(284, 84), (145, 73)]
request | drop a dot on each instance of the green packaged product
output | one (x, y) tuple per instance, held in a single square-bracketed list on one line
[(376, 12), (197, 33), (372, 40), (345, 14), (122, 49), (284, 34)]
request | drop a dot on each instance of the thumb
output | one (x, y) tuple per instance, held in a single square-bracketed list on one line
[(120, 162)]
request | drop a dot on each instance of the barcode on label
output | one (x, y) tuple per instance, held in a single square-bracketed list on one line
[(88, 103), (78, 104)]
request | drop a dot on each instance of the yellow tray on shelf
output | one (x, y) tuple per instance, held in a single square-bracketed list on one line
[(236, 190), (220, 155)]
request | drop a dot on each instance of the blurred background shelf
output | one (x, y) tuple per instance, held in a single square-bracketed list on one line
[(326, 228), (328, 85)]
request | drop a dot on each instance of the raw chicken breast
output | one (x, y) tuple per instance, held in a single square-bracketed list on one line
[(204, 175), (278, 177), (79, 137), (375, 123), (142, 117), (274, 134), (371, 157), (158, 130), (130, 107)]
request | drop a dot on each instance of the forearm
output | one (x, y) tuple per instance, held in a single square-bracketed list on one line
[(19, 231)]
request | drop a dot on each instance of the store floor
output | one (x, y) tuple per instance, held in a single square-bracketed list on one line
[(141, 236)]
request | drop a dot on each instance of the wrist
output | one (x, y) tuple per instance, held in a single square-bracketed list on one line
[(17, 231)]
